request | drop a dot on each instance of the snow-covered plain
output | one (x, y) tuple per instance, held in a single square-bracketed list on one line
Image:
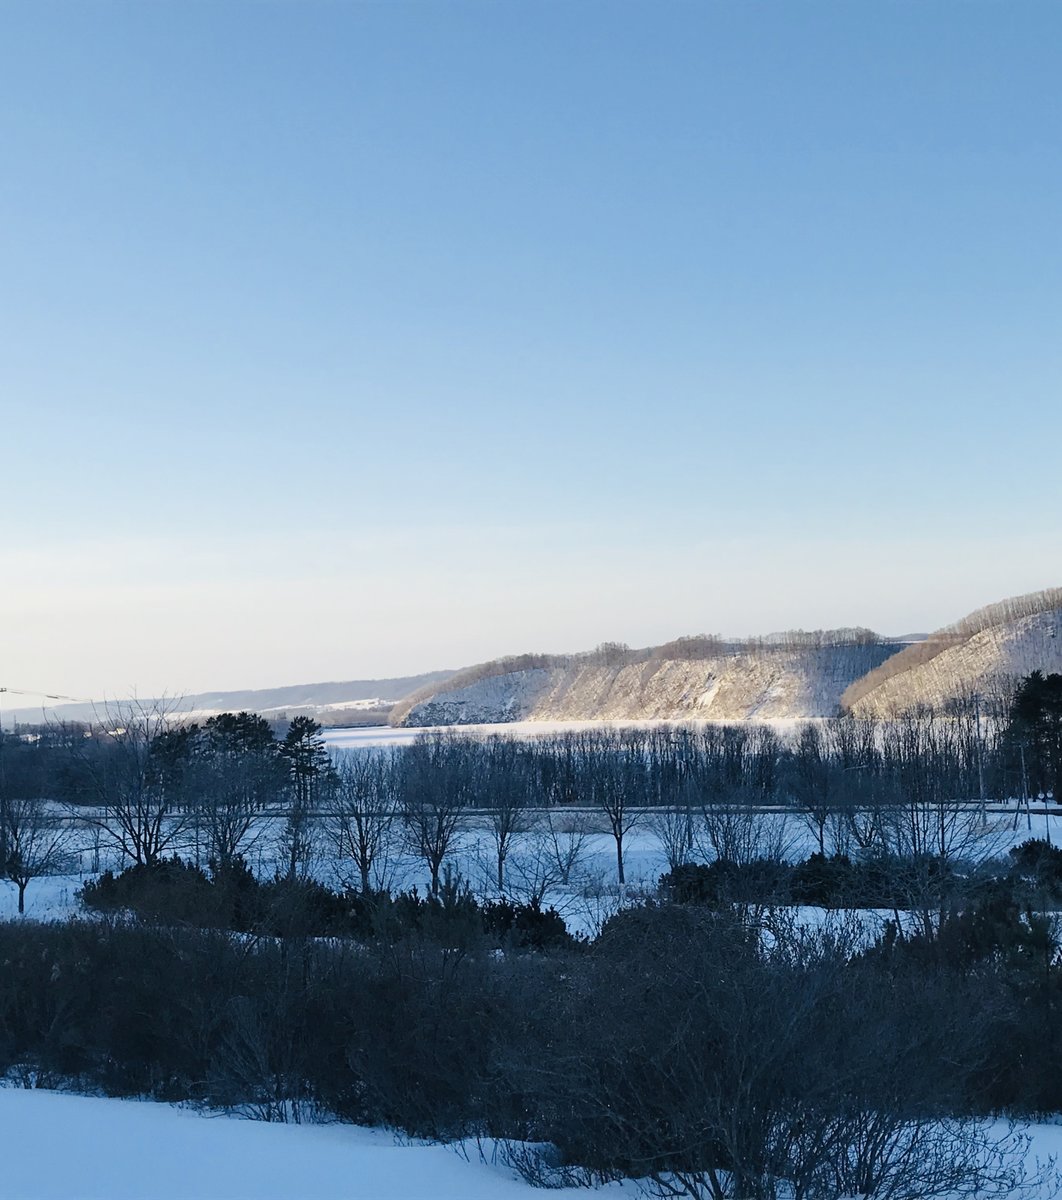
[(61, 1147)]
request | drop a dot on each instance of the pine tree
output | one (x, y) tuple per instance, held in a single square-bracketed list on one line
[(310, 770), (1036, 725)]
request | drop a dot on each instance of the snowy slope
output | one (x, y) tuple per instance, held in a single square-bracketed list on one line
[(60, 1147), (766, 683), (989, 662)]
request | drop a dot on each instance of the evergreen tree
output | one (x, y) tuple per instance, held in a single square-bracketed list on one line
[(310, 771), (241, 773), (1036, 727)]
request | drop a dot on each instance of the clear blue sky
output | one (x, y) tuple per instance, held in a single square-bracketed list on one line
[(346, 339)]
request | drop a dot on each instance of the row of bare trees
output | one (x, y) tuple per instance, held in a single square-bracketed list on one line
[(142, 786), (912, 789)]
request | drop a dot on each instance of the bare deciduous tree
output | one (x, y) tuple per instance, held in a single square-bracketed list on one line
[(362, 816), (434, 790), (36, 841), (618, 787), (671, 828), (549, 854), (505, 789), (136, 766)]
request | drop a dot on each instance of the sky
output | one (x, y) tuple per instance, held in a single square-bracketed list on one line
[(347, 340)]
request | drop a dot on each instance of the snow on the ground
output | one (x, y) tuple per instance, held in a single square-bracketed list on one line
[(51, 898), (61, 1147), (371, 736), (592, 896)]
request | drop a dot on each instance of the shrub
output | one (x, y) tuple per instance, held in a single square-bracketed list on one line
[(169, 891)]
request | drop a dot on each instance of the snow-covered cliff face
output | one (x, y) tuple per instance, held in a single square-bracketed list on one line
[(764, 684), (990, 663)]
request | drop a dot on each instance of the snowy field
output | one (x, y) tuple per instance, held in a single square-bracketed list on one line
[(590, 898), (60, 1147), (384, 735)]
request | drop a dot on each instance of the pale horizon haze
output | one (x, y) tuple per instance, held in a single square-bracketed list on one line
[(348, 340)]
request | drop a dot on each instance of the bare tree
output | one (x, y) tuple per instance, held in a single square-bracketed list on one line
[(734, 831), (136, 765), (813, 782), (932, 816), (617, 784), (505, 789), (549, 854), (362, 815), (671, 828), (434, 785), (36, 841), (567, 834)]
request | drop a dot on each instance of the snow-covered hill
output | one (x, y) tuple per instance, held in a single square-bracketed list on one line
[(765, 682), (986, 654), (782, 676)]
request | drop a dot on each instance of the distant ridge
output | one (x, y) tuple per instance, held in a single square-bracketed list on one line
[(315, 699), (785, 675), (791, 675), (780, 676)]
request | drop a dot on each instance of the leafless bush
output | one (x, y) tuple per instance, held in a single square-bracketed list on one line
[(673, 829), (735, 831)]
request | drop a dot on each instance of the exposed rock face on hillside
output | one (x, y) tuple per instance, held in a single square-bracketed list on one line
[(958, 663), (763, 683)]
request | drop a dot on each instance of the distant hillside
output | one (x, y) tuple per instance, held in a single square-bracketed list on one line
[(782, 676), (328, 702), (986, 652), (318, 697)]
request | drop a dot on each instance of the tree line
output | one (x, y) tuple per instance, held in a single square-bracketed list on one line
[(138, 788)]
